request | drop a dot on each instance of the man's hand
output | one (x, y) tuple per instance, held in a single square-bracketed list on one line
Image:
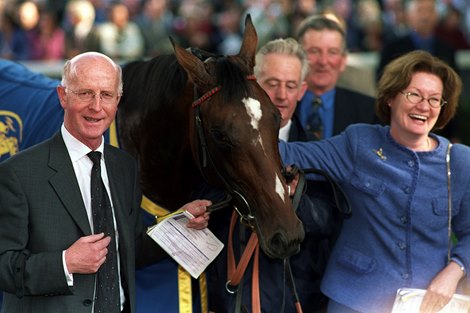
[(87, 254), (198, 208)]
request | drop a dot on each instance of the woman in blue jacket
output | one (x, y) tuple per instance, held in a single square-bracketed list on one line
[(395, 177)]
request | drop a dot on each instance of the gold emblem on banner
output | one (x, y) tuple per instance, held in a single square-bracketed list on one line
[(11, 133)]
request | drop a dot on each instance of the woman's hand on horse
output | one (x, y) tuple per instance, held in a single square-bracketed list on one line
[(198, 208)]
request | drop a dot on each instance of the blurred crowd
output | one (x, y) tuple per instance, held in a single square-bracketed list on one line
[(134, 29)]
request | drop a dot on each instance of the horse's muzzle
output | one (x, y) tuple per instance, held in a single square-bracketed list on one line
[(282, 244)]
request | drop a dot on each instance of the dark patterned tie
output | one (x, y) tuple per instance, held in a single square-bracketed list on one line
[(314, 123), (107, 296)]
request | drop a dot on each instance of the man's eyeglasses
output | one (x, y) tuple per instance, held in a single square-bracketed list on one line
[(416, 98), (89, 95)]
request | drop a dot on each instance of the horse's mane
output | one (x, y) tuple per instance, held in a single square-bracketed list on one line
[(160, 78)]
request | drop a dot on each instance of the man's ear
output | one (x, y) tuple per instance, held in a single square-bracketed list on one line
[(302, 90), (62, 95)]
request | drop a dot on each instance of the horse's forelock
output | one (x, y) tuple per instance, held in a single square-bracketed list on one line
[(232, 79)]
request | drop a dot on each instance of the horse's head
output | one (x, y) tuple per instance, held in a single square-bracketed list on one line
[(235, 141)]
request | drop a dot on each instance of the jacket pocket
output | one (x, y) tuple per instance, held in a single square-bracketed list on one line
[(356, 261), (367, 183), (440, 207)]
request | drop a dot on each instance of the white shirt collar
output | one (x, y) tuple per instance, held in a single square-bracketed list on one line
[(75, 147), (284, 131)]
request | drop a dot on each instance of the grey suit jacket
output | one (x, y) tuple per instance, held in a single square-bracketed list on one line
[(42, 213)]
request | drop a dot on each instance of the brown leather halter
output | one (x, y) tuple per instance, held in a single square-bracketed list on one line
[(233, 196), (235, 273)]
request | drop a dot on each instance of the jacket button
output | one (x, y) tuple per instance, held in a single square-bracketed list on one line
[(402, 245), (87, 302)]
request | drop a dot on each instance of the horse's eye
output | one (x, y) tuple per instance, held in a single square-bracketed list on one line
[(221, 138)]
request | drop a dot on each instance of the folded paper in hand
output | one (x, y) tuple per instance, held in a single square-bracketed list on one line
[(193, 249), (408, 300)]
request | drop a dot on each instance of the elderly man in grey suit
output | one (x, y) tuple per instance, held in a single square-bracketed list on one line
[(50, 253)]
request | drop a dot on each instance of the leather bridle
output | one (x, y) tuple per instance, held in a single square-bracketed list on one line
[(206, 161)]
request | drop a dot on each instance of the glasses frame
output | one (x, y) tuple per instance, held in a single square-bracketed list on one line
[(80, 96), (407, 95)]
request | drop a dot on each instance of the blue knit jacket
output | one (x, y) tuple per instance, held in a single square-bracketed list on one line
[(398, 233)]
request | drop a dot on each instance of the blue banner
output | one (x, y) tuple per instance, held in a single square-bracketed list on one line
[(30, 110)]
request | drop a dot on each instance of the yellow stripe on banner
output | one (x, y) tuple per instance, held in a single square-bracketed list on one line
[(113, 138), (184, 279), (184, 291), (153, 208), (203, 293)]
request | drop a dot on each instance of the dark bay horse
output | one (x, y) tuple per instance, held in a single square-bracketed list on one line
[(191, 119)]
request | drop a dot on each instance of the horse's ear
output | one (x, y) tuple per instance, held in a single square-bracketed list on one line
[(193, 66), (250, 42)]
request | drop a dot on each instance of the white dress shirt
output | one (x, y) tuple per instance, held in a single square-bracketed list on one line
[(82, 166)]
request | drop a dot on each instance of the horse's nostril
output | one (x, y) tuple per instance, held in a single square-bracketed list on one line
[(284, 244), (277, 242), (281, 246)]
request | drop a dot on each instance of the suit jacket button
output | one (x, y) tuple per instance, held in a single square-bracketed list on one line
[(87, 302)]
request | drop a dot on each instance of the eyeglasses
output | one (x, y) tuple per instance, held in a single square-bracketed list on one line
[(89, 95), (416, 98)]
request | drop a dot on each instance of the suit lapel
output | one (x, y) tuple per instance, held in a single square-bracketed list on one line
[(65, 183), (344, 111), (296, 132)]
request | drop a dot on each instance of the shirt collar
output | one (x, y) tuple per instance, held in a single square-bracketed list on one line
[(75, 147), (284, 131)]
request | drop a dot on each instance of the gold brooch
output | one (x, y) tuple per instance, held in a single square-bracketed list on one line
[(380, 153)]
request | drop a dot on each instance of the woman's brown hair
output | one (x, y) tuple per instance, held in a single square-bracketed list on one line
[(397, 76)]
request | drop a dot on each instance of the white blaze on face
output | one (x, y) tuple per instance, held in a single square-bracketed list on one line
[(279, 189), (253, 108)]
